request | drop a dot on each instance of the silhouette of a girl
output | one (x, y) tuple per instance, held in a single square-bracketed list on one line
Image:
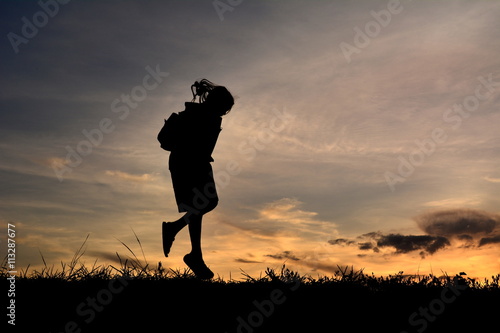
[(191, 136)]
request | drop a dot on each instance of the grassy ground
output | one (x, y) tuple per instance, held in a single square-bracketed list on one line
[(138, 297)]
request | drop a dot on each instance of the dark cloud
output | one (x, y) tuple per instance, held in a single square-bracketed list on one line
[(341, 241), (489, 240), (468, 227), (374, 234), (455, 222), (245, 261), (405, 244), (465, 237), (283, 255), (426, 244), (365, 246)]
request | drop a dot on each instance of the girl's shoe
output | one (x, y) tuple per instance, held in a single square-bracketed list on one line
[(198, 266)]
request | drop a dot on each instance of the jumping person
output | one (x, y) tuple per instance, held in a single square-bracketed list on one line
[(190, 136)]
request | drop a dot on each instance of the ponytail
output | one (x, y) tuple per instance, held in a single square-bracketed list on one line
[(201, 89), (217, 96)]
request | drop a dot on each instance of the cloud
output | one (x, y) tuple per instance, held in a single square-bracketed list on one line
[(286, 209), (284, 217), (458, 222), (283, 255), (405, 244), (465, 227), (454, 202), (491, 179), (127, 176), (489, 240), (246, 261), (402, 244), (341, 241), (365, 246)]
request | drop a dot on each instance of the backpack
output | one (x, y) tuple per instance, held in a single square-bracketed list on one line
[(168, 133)]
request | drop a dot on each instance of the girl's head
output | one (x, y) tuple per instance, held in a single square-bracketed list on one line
[(217, 97)]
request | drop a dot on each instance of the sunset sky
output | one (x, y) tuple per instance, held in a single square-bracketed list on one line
[(364, 133)]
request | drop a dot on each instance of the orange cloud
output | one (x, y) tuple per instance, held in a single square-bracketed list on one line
[(128, 176)]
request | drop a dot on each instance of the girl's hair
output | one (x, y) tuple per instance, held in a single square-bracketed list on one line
[(216, 96)]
